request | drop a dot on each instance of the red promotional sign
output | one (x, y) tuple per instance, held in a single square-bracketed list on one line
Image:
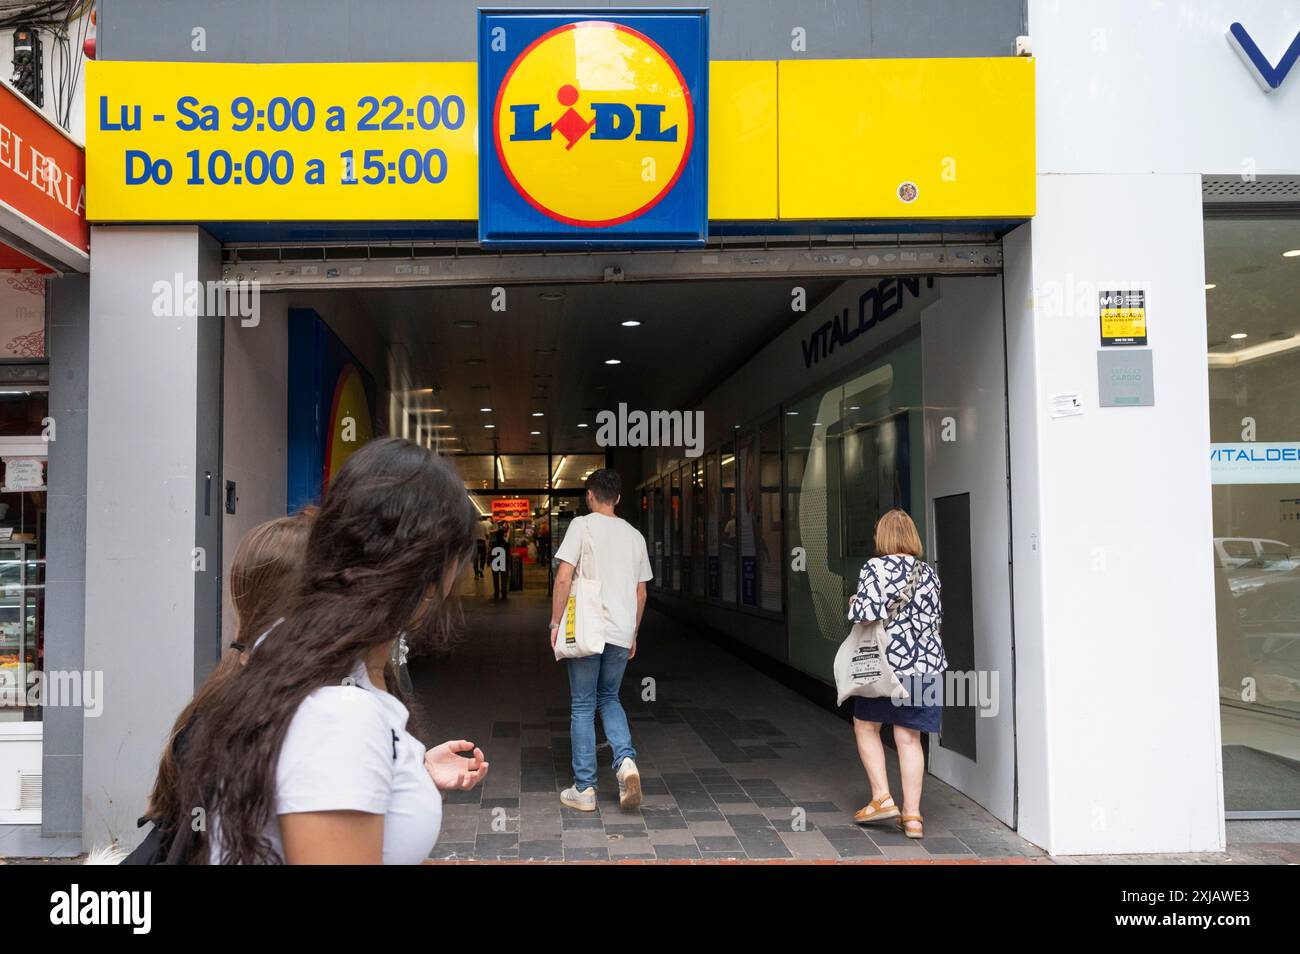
[(512, 508), (42, 182)]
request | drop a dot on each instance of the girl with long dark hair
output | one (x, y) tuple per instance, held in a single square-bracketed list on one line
[(305, 756)]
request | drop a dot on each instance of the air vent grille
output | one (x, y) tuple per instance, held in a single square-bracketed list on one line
[(1263, 190), (29, 792)]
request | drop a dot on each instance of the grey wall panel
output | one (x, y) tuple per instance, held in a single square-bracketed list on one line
[(210, 489), (254, 31), (141, 449), (67, 336)]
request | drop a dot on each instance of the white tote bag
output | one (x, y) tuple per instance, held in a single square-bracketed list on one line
[(582, 627), (862, 664)]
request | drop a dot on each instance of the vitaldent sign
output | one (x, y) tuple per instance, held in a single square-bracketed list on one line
[(1268, 76), (1255, 463)]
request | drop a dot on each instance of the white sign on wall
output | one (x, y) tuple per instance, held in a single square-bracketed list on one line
[(1255, 462), (24, 473)]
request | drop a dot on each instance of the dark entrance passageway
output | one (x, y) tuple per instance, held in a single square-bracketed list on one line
[(729, 758)]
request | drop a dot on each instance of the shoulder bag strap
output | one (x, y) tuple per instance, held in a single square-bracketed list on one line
[(905, 594), (586, 552)]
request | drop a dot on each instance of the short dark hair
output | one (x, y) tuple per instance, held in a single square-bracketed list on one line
[(605, 485)]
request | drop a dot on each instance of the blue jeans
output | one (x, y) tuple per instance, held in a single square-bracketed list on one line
[(593, 685)]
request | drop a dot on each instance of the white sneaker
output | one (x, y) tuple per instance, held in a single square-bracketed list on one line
[(584, 801), (629, 785)]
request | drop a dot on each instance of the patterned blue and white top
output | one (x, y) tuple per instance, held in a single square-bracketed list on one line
[(914, 644)]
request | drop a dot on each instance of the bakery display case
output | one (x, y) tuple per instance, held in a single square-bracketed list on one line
[(21, 586)]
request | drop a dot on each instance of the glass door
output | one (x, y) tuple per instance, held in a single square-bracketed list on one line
[(1252, 275)]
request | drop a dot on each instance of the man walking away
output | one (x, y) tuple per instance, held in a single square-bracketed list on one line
[(482, 534), (622, 567), (499, 561)]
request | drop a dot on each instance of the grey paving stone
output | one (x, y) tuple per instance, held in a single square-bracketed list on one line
[(452, 850), (496, 842), (669, 852), (718, 843), (543, 849), (472, 797), (586, 854), (584, 839), (819, 808), (762, 843), (748, 822), (946, 846), (713, 816), (664, 822), (625, 828), (809, 845), (580, 822)]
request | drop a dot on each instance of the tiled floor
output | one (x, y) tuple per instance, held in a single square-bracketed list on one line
[(734, 765), (25, 841)]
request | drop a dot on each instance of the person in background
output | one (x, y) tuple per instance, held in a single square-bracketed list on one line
[(262, 572), (499, 556), (305, 757), (915, 652), (623, 568), (544, 541), (482, 534)]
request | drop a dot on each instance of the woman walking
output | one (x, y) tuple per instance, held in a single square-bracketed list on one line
[(304, 756), (896, 586)]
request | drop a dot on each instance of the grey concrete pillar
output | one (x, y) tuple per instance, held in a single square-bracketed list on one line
[(67, 343), (152, 501)]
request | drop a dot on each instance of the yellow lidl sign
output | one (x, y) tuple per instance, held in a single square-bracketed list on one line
[(592, 134), (790, 140)]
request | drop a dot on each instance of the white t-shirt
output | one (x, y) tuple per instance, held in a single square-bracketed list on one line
[(621, 563), (347, 748)]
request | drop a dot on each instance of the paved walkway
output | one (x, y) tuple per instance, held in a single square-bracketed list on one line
[(734, 765)]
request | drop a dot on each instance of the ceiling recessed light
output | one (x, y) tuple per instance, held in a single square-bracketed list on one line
[(631, 323), (539, 414), (474, 362), (465, 323), (552, 296), (1209, 285), (1238, 336), (582, 425), (791, 413), (486, 410), (535, 433), (489, 426), (1291, 253), (613, 361)]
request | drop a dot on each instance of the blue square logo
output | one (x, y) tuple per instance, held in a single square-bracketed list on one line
[(593, 129)]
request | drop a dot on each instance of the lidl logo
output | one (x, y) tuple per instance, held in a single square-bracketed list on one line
[(595, 133)]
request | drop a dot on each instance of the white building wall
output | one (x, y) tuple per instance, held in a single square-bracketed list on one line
[(254, 431), (1117, 711)]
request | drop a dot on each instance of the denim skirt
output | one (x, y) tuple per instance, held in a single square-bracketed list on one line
[(923, 710)]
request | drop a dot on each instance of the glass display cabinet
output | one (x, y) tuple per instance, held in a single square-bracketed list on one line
[(21, 584)]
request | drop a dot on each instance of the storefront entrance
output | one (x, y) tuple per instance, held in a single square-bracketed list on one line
[(758, 524)]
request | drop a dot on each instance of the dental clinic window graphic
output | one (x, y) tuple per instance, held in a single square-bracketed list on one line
[(594, 131), (1268, 76)]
